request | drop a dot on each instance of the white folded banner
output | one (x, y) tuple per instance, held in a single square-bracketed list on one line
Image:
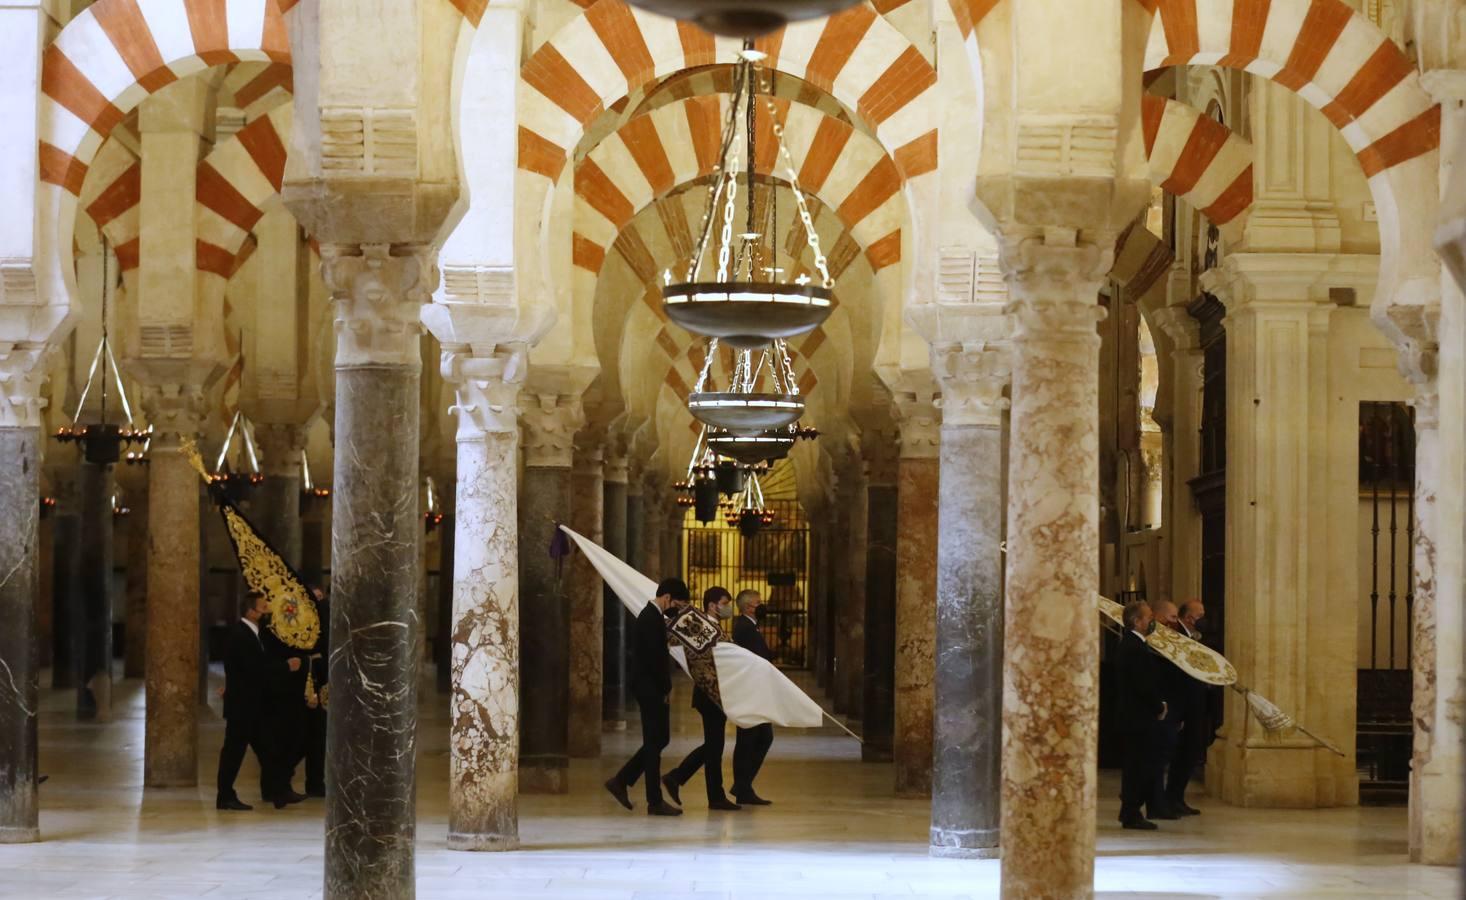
[(754, 690)]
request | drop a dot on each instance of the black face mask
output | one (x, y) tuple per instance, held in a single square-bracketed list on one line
[(1200, 626), (1151, 628)]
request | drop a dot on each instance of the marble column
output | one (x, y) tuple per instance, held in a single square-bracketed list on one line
[(550, 421), (377, 291), (65, 581), (878, 676), (1050, 630), (649, 535), (443, 636), (170, 745), (587, 607), (483, 803), (635, 522), (849, 669), (134, 656), (918, 500), (93, 624), (20, 499), (614, 522), (1181, 520), (966, 780), (277, 499)]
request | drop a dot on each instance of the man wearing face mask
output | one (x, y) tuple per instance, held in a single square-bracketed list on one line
[(1196, 728), (1142, 709), (717, 603), (753, 743)]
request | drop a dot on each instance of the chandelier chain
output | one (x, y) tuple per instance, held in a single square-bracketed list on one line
[(707, 366), (813, 237)]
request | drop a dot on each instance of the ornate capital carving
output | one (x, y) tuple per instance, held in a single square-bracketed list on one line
[(1417, 342), (972, 381), (920, 424), (22, 375), (378, 291), (881, 450), (280, 448), (1183, 331), (618, 464), (589, 461), (175, 410), (550, 424), (486, 389), (1055, 284)]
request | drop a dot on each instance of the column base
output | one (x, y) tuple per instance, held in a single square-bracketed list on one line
[(483, 842), (913, 792), (544, 776), (1281, 777), (10, 835), (165, 782), (1435, 816), (975, 844), (875, 753)]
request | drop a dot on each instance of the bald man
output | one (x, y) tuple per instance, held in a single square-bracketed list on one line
[(1176, 690), (1196, 719)]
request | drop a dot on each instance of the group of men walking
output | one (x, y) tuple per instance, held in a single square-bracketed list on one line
[(275, 705), (1164, 719), (651, 685)]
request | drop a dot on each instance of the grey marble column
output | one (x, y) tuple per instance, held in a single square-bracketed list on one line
[(66, 575), (635, 520), (967, 729), (587, 606), (93, 625), (483, 802), (19, 688), (550, 422), (134, 656), (918, 500), (649, 535), (277, 499), (377, 292), (850, 626), (878, 672), (614, 504)]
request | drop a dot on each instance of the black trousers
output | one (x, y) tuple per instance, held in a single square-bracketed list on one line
[(315, 750), (1167, 737), (1190, 750), (242, 733), (748, 757), (285, 715), (1138, 772), (656, 734), (709, 756)]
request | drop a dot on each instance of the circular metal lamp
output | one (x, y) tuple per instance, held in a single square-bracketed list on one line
[(752, 449), (747, 315), (731, 478), (744, 413), (743, 18)]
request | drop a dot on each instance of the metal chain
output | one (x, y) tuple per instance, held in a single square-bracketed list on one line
[(707, 366), (705, 229), (804, 216), (729, 210), (792, 386)]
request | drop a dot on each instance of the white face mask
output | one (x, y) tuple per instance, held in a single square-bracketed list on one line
[(725, 610)]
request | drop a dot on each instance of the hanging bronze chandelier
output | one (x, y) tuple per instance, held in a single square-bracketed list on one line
[(743, 18), (745, 303), (762, 393)]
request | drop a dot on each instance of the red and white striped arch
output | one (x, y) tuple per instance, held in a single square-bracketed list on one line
[(235, 182), (112, 198), (101, 66), (612, 49), (654, 153), (1198, 159)]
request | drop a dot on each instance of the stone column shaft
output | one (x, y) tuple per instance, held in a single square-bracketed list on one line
[(917, 510), (65, 585), (1051, 632), (278, 498), (93, 624), (850, 624), (878, 674), (170, 744), (20, 505), (587, 609), (614, 618), (135, 655)]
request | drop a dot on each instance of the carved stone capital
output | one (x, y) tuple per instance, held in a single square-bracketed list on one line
[(618, 463), (22, 375), (175, 411), (881, 450), (550, 423), (486, 389), (972, 381), (280, 448), (589, 461), (378, 291), (1178, 325), (1054, 282), (1417, 343), (920, 424)]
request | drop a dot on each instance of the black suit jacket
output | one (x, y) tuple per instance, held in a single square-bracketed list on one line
[(283, 684), (650, 662), (247, 672), (747, 636), (1139, 682)]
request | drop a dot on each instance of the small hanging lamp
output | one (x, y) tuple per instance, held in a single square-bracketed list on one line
[(743, 18)]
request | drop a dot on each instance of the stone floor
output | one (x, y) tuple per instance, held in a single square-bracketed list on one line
[(833, 832)]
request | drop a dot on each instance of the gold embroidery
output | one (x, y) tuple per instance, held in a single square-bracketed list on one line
[(1195, 658)]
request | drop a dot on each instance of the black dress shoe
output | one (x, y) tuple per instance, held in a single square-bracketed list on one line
[(1165, 815), (723, 804), (318, 793), (289, 798), (232, 803), (663, 809), (1188, 810), (1139, 825), (752, 799), (674, 788), (618, 790)]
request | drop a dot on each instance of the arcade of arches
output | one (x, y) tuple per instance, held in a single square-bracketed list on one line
[(1157, 299)]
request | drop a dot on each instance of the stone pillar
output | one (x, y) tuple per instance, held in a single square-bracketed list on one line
[(850, 627), (443, 636), (587, 607), (483, 811), (614, 521), (918, 499), (93, 624), (134, 657), (878, 676), (66, 580), (550, 422), (649, 535), (1051, 631), (1183, 440), (968, 626), (635, 521), (20, 507), (278, 498), (170, 751), (377, 291), (672, 521)]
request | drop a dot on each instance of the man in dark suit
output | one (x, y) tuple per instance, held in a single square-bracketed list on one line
[(1196, 728), (1141, 710), (285, 722), (753, 743), (1176, 691), (315, 717), (651, 683), (717, 604), (246, 670)]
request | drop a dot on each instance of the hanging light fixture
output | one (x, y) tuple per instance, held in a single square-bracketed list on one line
[(239, 482), (102, 441), (746, 305), (743, 18), (744, 409)]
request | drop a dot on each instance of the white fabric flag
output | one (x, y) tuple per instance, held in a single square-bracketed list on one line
[(754, 691)]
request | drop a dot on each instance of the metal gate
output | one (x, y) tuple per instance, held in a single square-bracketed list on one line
[(774, 562), (1387, 503)]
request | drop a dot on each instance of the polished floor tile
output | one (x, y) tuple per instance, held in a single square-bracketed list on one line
[(834, 831)]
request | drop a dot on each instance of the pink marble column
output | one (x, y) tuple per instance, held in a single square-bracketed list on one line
[(587, 508), (1051, 637), (917, 492), (483, 774)]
